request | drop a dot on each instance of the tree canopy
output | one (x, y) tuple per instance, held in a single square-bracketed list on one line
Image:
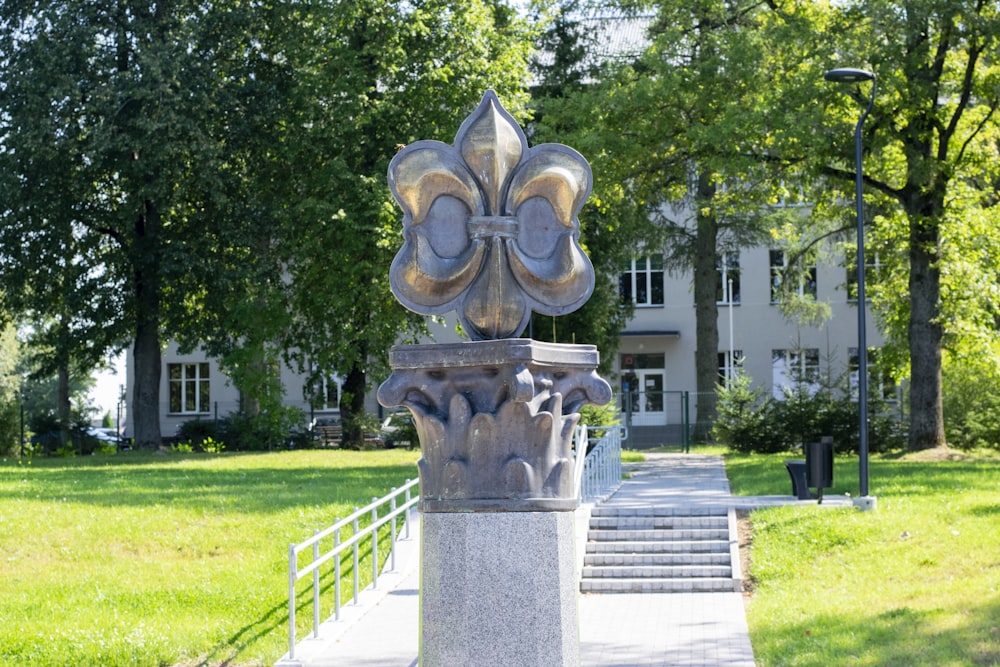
[(218, 169)]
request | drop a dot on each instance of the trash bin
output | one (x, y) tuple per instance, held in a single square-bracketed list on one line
[(819, 465), (797, 471)]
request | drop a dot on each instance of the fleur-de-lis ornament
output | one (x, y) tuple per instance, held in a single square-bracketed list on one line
[(490, 226)]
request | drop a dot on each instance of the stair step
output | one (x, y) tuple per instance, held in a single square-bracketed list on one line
[(657, 535), (658, 572), (659, 523), (611, 510), (692, 585), (653, 546), (656, 559)]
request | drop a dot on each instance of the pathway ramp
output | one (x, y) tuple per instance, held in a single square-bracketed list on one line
[(620, 630)]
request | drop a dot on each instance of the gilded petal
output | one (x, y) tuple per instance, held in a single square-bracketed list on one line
[(426, 170), (491, 143), (556, 173), (425, 282), (560, 283)]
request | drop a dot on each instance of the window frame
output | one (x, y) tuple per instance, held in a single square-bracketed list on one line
[(874, 268), (193, 389), (727, 266), (808, 285), (728, 368), (641, 272), (805, 361), (888, 390)]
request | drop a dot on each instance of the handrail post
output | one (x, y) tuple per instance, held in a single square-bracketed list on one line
[(392, 530), (406, 517), (315, 587), (355, 568), (336, 574), (374, 530), (293, 570)]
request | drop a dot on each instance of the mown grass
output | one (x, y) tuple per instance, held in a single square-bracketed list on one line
[(143, 559), (915, 582)]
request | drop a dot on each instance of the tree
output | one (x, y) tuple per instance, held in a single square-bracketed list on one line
[(10, 390), (674, 134), (104, 109), (569, 54), (327, 97), (229, 159), (932, 146)]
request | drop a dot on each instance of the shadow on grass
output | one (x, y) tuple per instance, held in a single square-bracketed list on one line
[(899, 636), (230, 651)]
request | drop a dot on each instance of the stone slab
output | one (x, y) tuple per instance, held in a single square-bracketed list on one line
[(499, 589)]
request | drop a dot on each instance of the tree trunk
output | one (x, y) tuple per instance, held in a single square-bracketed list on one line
[(63, 408), (352, 408), (146, 392), (706, 279), (925, 334), (146, 350)]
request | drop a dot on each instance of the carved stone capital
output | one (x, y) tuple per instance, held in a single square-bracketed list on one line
[(495, 420)]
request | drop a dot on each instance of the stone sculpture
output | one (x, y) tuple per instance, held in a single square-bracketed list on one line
[(491, 230)]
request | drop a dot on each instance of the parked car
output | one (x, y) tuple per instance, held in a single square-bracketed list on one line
[(108, 436)]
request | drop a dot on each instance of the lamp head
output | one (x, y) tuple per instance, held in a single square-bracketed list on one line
[(848, 75)]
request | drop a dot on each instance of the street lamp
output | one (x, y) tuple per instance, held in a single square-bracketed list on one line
[(851, 75)]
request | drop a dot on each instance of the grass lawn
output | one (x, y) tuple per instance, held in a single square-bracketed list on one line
[(176, 559), (915, 582)]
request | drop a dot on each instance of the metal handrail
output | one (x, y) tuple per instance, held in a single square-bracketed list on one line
[(340, 546), (602, 468)]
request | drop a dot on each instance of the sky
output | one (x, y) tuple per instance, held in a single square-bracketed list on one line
[(105, 393)]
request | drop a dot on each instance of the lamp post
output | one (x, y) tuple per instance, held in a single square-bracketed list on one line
[(851, 75)]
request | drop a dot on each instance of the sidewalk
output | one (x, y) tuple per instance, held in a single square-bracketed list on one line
[(623, 630)]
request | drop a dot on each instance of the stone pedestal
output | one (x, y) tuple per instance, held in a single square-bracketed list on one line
[(496, 421), (498, 589)]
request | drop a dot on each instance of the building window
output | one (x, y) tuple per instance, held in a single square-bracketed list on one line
[(189, 388), (874, 270), (791, 368), (325, 393), (878, 375), (727, 268), (641, 281), (807, 276), (729, 366)]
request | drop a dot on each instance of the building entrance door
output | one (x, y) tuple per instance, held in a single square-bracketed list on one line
[(642, 391)]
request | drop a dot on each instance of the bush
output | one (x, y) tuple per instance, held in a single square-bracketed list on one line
[(599, 415), (400, 428), (751, 421), (194, 433), (971, 404), (238, 432), (743, 418)]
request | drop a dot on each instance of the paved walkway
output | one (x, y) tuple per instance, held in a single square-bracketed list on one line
[(620, 630)]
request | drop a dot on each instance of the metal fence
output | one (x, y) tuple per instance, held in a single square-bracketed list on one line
[(340, 546), (602, 468), (599, 474)]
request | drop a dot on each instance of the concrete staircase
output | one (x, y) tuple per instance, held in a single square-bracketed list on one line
[(661, 550)]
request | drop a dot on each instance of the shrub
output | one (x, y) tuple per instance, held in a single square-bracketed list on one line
[(401, 428), (195, 432), (751, 421), (600, 415), (971, 404), (743, 419)]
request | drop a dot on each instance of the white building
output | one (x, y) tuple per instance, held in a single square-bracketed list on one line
[(657, 355)]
